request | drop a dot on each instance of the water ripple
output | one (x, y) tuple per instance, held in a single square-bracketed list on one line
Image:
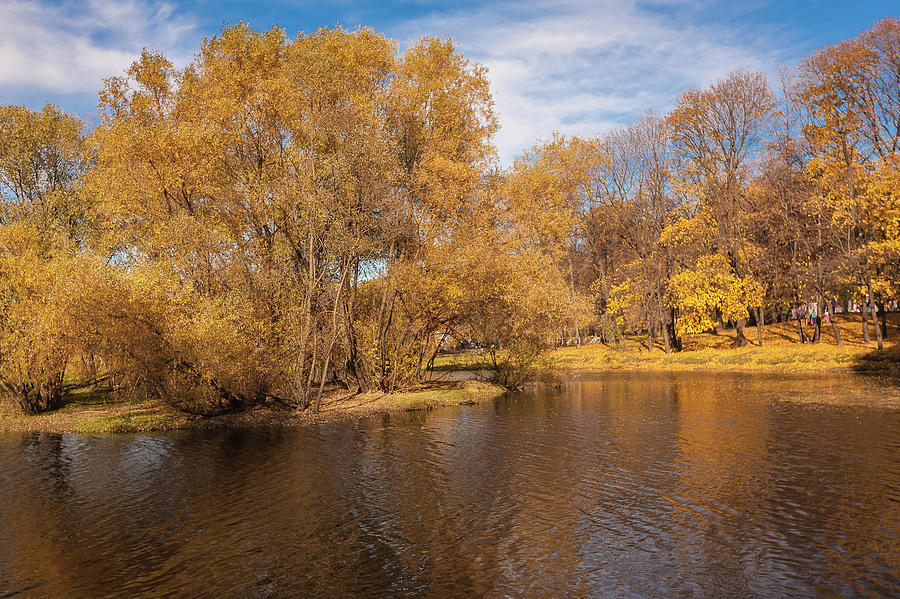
[(651, 485)]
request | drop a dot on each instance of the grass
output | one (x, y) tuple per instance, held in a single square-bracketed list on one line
[(468, 360), (781, 351), (469, 392), (100, 414), (94, 417), (95, 413), (132, 422)]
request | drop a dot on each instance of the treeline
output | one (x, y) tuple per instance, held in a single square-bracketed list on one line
[(282, 215), (745, 203)]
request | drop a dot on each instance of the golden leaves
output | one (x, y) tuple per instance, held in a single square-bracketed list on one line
[(711, 288)]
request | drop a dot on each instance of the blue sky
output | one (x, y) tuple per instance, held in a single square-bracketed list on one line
[(554, 65)]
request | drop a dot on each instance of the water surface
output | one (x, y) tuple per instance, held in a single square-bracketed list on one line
[(683, 485)]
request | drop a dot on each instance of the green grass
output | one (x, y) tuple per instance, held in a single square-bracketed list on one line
[(135, 422), (469, 360), (100, 397)]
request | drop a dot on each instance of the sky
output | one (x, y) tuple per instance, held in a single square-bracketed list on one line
[(571, 66)]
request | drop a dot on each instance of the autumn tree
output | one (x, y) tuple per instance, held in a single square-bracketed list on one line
[(716, 133), (790, 225), (634, 200), (287, 213), (280, 185), (547, 194), (441, 123), (42, 223), (851, 91)]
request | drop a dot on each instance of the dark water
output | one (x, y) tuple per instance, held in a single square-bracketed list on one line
[(629, 485)]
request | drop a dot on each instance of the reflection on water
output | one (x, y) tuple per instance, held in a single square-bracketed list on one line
[(678, 485)]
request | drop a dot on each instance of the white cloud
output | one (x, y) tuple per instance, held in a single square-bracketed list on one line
[(578, 67), (71, 47), (583, 67)]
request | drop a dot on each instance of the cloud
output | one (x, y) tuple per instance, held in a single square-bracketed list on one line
[(69, 48), (584, 67), (574, 66)]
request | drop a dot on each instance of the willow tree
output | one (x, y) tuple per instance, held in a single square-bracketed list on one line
[(42, 223), (274, 185), (41, 159), (519, 299), (440, 122), (547, 193)]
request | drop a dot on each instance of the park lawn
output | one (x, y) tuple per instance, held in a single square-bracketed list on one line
[(781, 351)]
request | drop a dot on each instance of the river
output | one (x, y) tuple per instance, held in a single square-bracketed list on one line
[(622, 485)]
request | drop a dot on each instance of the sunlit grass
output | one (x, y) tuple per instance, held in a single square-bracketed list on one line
[(781, 352), (469, 392), (95, 414), (131, 422)]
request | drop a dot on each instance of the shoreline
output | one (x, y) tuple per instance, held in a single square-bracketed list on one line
[(90, 414), (148, 416)]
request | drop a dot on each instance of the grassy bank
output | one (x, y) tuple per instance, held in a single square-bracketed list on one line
[(781, 351), (97, 414)]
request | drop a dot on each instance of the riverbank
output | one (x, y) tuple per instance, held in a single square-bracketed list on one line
[(781, 352), (97, 414)]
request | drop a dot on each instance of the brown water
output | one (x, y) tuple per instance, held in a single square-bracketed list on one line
[(627, 485)]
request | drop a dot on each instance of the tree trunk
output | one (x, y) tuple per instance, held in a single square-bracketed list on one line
[(760, 315), (37, 399), (572, 284), (720, 326), (673, 336), (665, 335), (90, 369), (871, 306), (354, 368), (739, 339), (883, 320), (322, 380), (800, 327), (834, 327), (864, 311), (878, 337)]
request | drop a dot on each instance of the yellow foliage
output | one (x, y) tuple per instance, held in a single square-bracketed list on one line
[(711, 286)]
